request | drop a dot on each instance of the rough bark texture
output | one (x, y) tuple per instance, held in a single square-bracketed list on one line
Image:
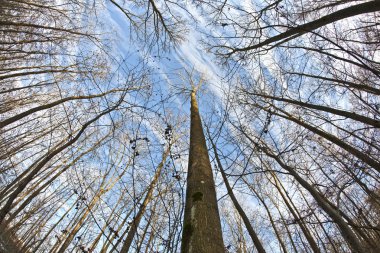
[(202, 231)]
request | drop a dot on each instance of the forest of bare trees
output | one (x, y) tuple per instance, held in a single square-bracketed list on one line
[(202, 126)]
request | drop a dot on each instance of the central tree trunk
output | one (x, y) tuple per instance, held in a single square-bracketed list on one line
[(202, 231)]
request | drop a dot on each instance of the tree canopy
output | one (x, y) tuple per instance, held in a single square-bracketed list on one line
[(96, 103)]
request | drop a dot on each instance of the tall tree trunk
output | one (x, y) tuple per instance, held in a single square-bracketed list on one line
[(202, 232)]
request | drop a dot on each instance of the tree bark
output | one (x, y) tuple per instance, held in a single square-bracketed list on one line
[(202, 232)]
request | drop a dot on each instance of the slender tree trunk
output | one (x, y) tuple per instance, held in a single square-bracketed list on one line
[(202, 232), (80, 223), (106, 224), (320, 224), (150, 220), (350, 237), (46, 184), (104, 187), (113, 236), (247, 223), (147, 199), (269, 215), (288, 232), (36, 249), (31, 238), (148, 245), (296, 215)]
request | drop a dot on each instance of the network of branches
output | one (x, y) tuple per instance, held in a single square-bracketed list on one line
[(94, 141)]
